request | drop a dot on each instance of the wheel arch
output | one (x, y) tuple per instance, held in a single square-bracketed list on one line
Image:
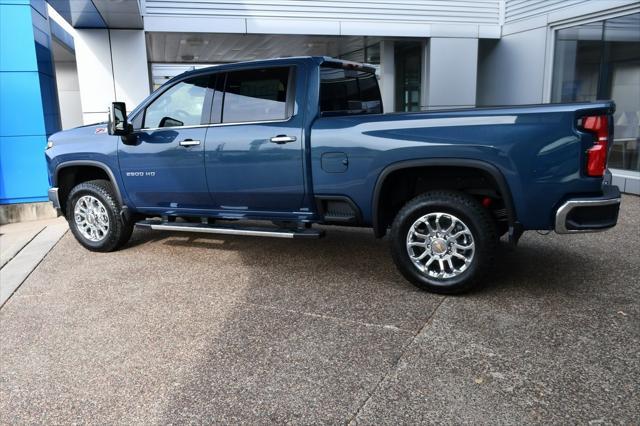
[(70, 173), (378, 221)]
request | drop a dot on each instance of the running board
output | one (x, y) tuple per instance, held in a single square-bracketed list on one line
[(230, 230)]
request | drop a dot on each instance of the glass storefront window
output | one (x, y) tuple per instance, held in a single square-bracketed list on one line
[(369, 53), (372, 54), (408, 62), (601, 60)]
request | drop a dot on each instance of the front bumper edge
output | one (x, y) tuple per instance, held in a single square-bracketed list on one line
[(53, 197)]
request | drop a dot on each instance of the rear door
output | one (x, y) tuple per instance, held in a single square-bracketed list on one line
[(254, 152), (164, 169)]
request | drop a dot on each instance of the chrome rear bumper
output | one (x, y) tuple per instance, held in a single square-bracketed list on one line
[(590, 214)]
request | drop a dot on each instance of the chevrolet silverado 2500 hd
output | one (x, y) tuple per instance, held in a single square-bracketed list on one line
[(288, 143)]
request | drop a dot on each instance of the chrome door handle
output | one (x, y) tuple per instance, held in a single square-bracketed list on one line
[(280, 139), (189, 142)]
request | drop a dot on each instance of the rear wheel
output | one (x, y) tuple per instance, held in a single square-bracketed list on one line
[(443, 241), (94, 216)]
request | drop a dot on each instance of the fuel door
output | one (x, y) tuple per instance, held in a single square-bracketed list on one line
[(334, 162)]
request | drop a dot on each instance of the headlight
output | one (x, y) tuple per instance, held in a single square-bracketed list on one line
[(49, 145)]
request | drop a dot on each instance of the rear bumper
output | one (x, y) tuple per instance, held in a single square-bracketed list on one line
[(53, 197), (589, 214)]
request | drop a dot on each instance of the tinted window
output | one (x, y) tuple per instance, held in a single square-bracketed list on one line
[(136, 121), (256, 95), (181, 105), (348, 92)]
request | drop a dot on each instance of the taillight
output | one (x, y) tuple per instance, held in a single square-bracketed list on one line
[(597, 154)]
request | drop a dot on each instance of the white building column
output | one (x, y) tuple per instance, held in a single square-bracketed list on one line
[(112, 66), (451, 72), (387, 75)]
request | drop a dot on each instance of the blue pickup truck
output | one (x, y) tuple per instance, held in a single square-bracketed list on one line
[(270, 148)]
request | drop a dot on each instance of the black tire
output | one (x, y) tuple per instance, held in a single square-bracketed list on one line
[(501, 228), (119, 230), (468, 210)]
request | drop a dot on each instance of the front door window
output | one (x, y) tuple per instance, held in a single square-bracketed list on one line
[(180, 105)]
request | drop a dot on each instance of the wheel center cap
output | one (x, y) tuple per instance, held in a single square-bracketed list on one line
[(438, 246)]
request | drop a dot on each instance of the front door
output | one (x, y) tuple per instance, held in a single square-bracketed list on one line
[(254, 156), (164, 170)]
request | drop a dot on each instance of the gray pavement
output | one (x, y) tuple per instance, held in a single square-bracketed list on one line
[(15, 236), (22, 247), (183, 328)]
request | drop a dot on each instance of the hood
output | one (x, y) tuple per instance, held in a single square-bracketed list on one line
[(88, 130)]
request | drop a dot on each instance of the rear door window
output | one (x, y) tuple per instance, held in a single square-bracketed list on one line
[(256, 95)]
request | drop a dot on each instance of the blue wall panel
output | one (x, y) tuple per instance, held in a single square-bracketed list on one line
[(21, 112), (28, 100), (17, 49), (50, 108), (23, 169)]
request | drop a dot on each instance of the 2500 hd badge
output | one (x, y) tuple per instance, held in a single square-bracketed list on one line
[(139, 174)]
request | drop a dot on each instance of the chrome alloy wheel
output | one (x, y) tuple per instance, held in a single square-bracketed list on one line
[(91, 218), (440, 245)]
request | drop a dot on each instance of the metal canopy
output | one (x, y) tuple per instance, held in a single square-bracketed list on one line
[(122, 14)]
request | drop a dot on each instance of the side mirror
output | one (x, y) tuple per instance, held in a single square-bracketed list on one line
[(118, 124)]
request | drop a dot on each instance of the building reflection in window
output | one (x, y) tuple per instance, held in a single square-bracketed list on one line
[(601, 60)]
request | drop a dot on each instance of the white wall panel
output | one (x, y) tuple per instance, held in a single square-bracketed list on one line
[(95, 50), (330, 17), (131, 75), (93, 57), (525, 9), (523, 15), (387, 75), (464, 11), (512, 71), (68, 94), (384, 29), (194, 24), (281, 26), (452, 72)]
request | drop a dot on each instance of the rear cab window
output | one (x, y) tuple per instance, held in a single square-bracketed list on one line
[(348, 92)]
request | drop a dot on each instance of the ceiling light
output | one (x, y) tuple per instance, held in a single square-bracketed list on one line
[(193, 41)]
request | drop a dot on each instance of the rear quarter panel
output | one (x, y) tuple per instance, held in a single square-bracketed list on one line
[(537, 149)]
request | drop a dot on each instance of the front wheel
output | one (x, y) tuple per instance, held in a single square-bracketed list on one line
[(443, 241), (94, 217)]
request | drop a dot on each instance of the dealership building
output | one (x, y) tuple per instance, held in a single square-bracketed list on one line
[(63, 62)]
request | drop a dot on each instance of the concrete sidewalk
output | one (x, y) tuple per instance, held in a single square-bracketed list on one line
[(23, 245), (181, 328)]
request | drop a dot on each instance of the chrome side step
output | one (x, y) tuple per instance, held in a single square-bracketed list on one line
[(230, 230)]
